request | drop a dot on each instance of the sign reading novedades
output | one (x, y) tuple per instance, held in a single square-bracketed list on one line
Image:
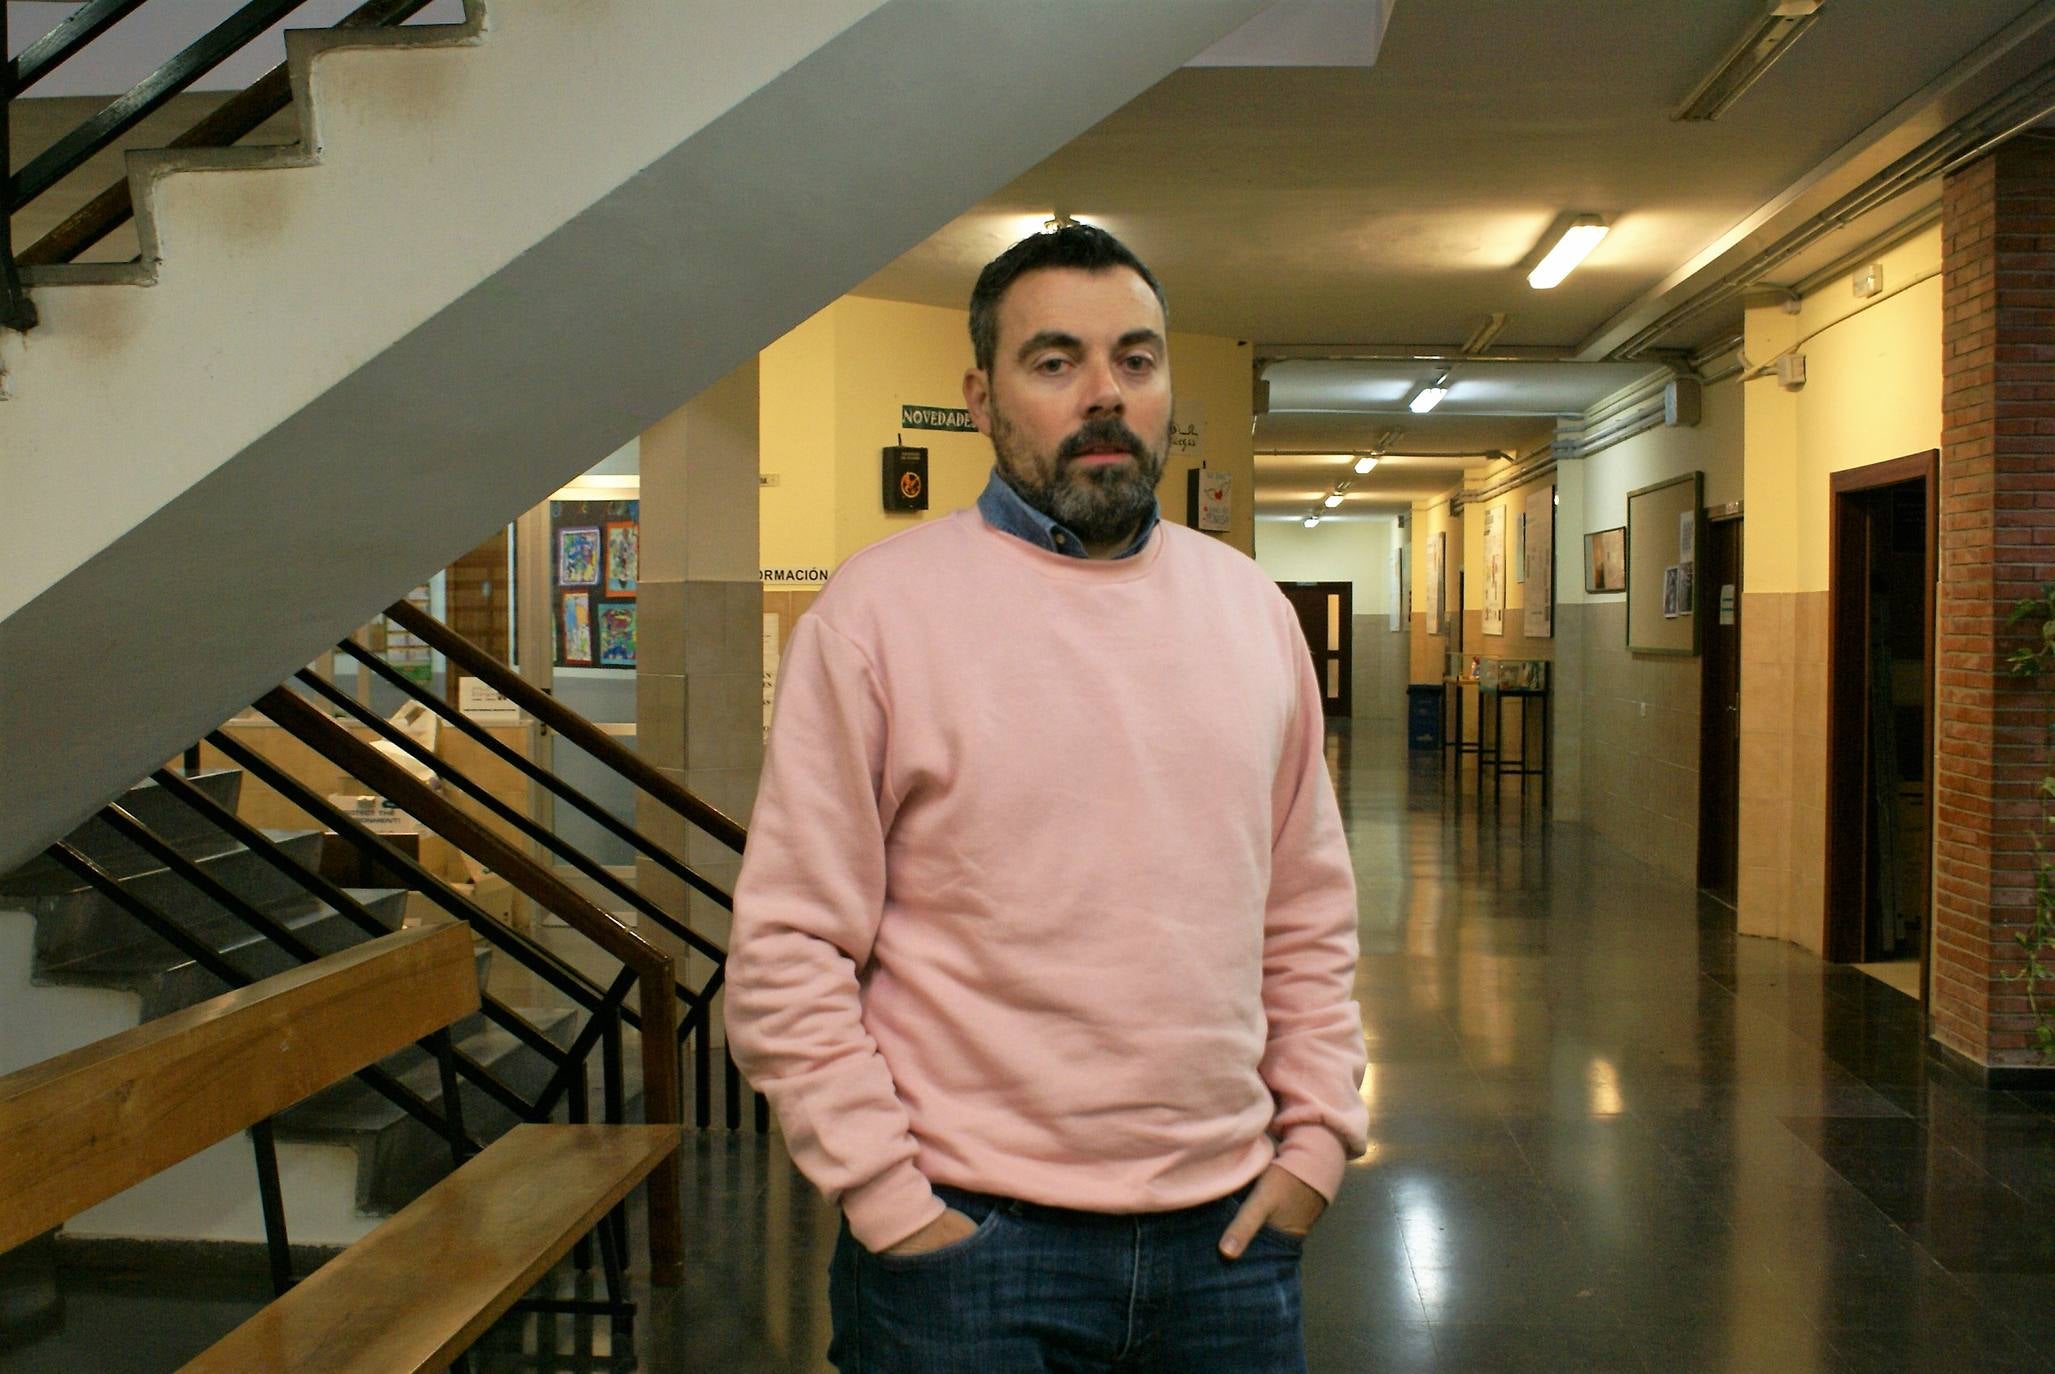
[(936, 417)]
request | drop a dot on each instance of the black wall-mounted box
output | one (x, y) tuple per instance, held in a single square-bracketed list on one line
[(906, 479)]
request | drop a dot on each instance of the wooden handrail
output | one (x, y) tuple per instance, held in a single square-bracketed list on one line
[(79, 1128), (566, 722), (662, 1081)]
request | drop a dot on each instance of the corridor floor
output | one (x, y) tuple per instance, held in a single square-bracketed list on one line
[(1606, 1135)]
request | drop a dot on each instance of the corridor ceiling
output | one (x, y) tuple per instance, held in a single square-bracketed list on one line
[(1345, 219)]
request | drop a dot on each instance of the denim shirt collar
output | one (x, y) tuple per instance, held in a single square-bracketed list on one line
[(1005, 511)]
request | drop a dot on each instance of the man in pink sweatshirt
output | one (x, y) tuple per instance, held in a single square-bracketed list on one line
[(1045, 937)]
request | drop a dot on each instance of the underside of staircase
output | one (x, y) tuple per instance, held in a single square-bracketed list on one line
[(500, 249)]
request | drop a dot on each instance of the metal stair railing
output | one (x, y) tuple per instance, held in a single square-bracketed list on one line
[(645, 969), (16, 310), (568, 1084), (610, 754), (236, 118)]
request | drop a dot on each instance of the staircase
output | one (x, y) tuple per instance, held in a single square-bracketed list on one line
[(500, 249), (74, 967)]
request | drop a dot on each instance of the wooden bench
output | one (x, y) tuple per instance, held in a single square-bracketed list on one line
[(422, 1287)]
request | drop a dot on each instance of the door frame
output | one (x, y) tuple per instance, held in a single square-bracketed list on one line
[(1848, 703)]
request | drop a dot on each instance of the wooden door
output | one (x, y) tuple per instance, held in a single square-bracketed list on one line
[(1324, 610), (1863, 852), (1719, 712)]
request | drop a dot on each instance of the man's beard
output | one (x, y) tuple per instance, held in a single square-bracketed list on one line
[(1099, 504)]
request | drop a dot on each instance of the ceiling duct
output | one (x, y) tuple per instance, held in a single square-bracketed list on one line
[(1768, 38)]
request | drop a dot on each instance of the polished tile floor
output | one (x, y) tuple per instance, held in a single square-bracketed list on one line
[(1606, 1135)]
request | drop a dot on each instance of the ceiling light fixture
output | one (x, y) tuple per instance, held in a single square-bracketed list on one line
[(1365, 463), (1059, 220), (1484, 334), (1429, 396), (1578, 238), (1768, 37), (1332, 501), (1312, 522)]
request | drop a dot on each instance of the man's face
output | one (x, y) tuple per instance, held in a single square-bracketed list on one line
[(1077, 404)]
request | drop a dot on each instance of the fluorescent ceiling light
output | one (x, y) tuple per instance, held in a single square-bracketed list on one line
[(1365, 464), (1429, 396), (1332, 501), (1777, 25), (1573, 247)]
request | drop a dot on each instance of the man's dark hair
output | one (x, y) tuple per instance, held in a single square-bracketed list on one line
[(1081, 246)]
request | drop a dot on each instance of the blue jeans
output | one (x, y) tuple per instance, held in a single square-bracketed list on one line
[(1044, 1290)]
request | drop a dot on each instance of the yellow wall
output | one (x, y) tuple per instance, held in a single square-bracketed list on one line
[(832, 390), (1872, 393), (796, 524), (1510, 504), (1431, 518), (1714, 446)]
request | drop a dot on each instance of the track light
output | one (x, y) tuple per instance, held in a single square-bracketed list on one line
[(1429, 396), (1768, 37), (1365, 463), (1578, 238)]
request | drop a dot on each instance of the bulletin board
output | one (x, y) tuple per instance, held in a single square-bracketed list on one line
[(1662, 542), (596, 564)]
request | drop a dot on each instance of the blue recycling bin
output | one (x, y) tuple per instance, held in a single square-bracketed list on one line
[(1423, 715)]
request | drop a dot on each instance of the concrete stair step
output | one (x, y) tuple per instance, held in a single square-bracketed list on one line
[(171, 819), (400, 1157), (166, 980), (78, 921)]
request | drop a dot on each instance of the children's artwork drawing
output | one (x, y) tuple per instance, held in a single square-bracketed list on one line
[(624, 557), (576, 640), (617, 636), (578, 556)]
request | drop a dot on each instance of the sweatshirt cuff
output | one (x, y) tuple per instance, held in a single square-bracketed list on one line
[(890, 1207), (1313, 1155)]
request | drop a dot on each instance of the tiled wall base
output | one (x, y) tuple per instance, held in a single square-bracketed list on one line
[(1379, 669), (1782, 879), (1628, 735)]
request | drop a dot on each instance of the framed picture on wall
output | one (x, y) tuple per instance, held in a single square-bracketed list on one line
[(1605, 560), (578, 556), (574, 629), (624, 557)]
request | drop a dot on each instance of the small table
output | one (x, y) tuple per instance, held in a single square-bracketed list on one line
[(1452, 688), (1524, 767)]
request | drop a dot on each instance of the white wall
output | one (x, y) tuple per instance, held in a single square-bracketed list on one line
[(1353, 551)]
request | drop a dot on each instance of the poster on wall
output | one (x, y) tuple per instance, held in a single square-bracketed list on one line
[(1495, 570), (1437, 580), (1538, 537), (597, 573), (624, 557), (574, 630), (1520, 547), (577, 557), (617, 636)]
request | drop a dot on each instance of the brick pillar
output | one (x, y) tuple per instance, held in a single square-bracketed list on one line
[(1997, 546)]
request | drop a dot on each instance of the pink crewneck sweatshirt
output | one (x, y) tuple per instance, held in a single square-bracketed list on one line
[(1046, 893)]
